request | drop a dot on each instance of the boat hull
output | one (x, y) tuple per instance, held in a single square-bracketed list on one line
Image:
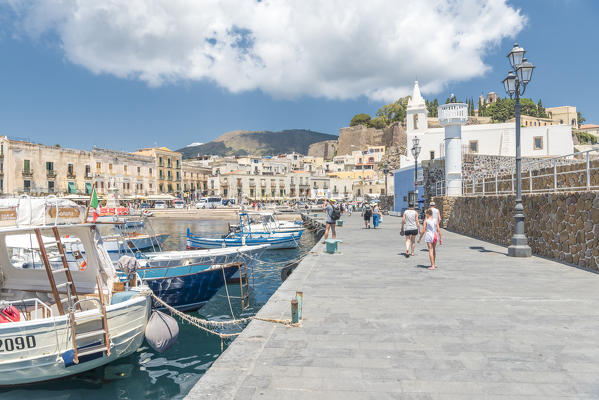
[(188, 291), (275, 242), (47, 343)]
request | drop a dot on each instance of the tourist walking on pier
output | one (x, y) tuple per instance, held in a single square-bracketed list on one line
[(376, 216), (366, 213), (432, 234), (330, 212), (409, 227)]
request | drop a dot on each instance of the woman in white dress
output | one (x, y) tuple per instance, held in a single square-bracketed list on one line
[(432, 233)]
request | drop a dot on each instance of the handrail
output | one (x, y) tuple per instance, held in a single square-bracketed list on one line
[(585, 172)]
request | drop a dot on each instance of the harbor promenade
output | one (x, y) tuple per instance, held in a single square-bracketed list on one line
[(379, 326)]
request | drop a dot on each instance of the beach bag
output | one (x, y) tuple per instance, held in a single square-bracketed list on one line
[(336, 214)]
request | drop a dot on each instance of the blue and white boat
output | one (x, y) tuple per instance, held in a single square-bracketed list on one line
[(274, 240), (193, 278), (247, 237)]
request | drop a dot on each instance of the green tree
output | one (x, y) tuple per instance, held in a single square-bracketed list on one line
[(528, 107), (541, 113), (378, 123), (481, 108), (360, 119), (394, 112), (581, 119), (501, 110)]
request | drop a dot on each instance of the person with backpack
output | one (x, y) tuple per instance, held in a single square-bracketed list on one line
[(366, 213), (333, 213)]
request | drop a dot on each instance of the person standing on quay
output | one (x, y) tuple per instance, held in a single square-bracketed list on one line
[(376, 216), (366, 213), (409, 227), (432, 233), (330, 221)]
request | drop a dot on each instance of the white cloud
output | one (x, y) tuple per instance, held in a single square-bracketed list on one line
[(194, 144), (335, 49)]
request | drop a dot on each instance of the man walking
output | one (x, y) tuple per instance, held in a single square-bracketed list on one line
[(329, 210)]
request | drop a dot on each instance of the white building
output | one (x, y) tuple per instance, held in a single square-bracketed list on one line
[(485, 139), (488, 139)]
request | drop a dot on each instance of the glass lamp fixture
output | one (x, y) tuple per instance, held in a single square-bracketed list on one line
[(509, 83), (524, 71), (515, 55)]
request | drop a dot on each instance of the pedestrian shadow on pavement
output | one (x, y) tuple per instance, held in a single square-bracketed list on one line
[(422, 266), (483, 250)]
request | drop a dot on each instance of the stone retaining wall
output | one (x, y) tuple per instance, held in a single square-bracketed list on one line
[(561, 226)]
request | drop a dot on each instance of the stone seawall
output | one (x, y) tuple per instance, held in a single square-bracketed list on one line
[(560, 226)]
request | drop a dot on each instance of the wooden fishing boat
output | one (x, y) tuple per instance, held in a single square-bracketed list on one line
[(64, 318)]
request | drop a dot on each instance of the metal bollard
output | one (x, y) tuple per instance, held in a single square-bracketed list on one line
[(299, 296), (294, 315)]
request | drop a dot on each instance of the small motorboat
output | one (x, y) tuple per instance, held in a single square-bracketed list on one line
[(274, 240), (193, 278), (67, 316), (265, 222)]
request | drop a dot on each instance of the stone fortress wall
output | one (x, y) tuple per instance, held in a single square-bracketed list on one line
[(326, 149), (561, 226), (359, 137)]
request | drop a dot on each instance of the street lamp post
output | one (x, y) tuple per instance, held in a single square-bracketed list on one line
[(415, 152), (515, 85), (386, 172)]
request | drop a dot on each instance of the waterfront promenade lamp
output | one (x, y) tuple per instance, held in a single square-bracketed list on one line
[(386, 172), (415, 152), (515, 85)]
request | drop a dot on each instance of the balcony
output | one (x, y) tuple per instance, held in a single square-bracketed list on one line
[(50, 173), (27, 172), (71, 175)]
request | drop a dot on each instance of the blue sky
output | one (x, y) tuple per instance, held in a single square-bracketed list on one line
[(55, 90)]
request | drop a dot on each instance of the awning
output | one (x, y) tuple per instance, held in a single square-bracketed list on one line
[(88, 188), (160, 197), (72, 188)]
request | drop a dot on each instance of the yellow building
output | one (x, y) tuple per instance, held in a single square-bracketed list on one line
[(563, 115), (194, 179), (168, 168)]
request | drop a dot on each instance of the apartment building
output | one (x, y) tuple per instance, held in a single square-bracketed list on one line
[(168, 168), (133, 175), (195, 179), (36, 169)]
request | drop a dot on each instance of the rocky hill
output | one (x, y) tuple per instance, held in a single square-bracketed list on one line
[(258, 143)]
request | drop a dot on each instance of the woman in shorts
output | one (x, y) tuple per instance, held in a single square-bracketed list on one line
[(432, 235), (409, 226)]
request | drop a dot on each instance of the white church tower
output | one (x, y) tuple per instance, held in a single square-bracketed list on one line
[(416, 120)]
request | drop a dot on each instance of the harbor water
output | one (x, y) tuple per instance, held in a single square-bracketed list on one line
[(147, 374)]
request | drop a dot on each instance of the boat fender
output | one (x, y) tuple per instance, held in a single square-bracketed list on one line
[(162, 331)]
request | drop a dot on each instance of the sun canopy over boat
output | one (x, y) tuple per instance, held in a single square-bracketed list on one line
[(15, 277)]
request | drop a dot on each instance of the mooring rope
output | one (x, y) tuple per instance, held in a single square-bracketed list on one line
[(204, 324)]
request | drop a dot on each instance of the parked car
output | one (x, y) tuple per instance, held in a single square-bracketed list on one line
[(144, 205), (160, 204), (179, 204)]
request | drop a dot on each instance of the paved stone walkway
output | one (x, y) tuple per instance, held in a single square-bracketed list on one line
[(380, 326)]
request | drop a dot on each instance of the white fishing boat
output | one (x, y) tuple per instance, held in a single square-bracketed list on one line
[(265, 222), (66, 316)]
